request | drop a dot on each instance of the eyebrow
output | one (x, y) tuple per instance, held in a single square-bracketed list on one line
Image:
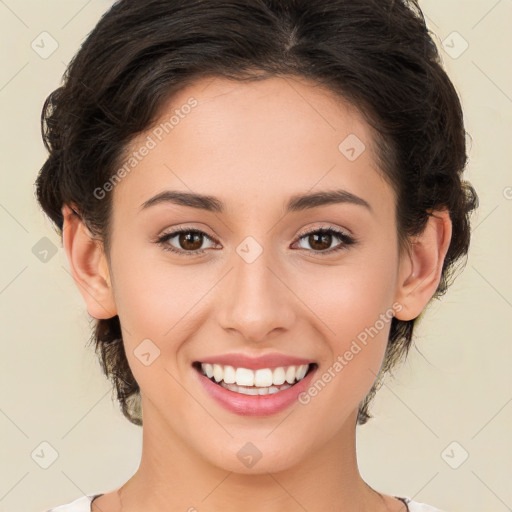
[(296, 203)]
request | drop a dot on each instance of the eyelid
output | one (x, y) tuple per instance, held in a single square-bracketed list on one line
[(324, 227), (184, 228)]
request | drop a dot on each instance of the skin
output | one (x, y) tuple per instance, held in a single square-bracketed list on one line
[(253, 145)]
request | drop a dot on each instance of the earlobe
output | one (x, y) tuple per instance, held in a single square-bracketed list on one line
[(420, 270), (88, 265)]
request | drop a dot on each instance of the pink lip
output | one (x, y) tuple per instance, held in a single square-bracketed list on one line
[(253, 363), (255, 405)]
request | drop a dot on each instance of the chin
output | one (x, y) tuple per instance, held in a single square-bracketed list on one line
[(257, 457)]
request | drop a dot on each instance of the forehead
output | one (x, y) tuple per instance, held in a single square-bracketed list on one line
[(241, 109), (253, 140)]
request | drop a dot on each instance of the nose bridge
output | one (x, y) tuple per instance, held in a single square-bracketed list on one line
[(256, 301)]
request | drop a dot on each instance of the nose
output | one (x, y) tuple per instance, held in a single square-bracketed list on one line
[(255, 300)]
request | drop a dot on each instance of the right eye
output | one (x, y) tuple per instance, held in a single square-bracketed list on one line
[(189, 239)]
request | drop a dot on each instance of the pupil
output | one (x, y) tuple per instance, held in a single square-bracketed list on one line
[(188, 238), (324, 237)]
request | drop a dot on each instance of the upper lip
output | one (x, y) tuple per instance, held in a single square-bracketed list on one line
[(253, 363)]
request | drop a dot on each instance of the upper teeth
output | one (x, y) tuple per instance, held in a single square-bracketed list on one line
[(262, 377)]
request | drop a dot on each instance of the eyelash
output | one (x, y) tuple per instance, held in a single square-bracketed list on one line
[(346, 240)]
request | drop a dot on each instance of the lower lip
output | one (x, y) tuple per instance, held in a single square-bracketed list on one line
[(255, 405)]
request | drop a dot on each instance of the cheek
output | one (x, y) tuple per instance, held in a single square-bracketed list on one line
[(155, 306), (162, 302), (152, 295), (355, 310), (353, 297)]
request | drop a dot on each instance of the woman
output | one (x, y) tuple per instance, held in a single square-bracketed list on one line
[(257, 199)]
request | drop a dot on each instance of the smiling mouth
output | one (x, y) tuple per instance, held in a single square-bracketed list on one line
[(263, 381)]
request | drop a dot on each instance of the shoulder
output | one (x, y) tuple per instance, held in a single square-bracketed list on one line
[(415, 506), (82, 504)]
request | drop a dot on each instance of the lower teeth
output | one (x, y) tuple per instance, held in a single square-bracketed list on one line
[(253, 390)]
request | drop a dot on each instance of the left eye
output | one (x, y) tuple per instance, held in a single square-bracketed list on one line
[(191, 240), (320, 240)]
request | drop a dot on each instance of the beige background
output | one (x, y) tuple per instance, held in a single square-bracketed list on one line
[(456, 385)]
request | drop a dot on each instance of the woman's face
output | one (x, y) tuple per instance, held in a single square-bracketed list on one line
[(264, 282)]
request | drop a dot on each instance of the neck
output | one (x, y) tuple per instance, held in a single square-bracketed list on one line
[(172, 476)]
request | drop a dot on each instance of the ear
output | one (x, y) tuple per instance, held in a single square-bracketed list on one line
[(420, 269), (88, 265)]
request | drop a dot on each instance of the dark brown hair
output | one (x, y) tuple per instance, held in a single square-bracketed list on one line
[(376, 54)]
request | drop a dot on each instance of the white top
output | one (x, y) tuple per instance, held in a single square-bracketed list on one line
[(83, 504)]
